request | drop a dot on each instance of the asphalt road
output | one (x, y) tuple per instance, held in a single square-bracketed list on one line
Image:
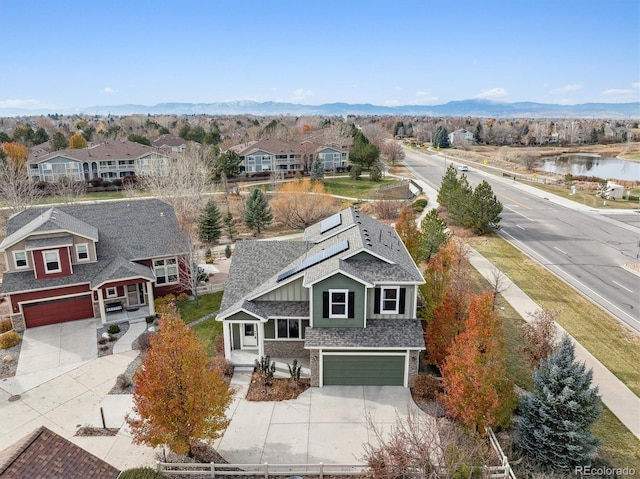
[(583, 247)]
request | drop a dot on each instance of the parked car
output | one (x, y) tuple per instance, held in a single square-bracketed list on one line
[(463, 168)]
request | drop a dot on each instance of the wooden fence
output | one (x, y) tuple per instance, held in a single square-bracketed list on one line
[(265, 470)]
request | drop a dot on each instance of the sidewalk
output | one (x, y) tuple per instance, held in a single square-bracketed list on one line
[(615, 395)]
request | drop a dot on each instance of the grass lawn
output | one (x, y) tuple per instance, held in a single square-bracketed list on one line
[(589, 198), (610, 342), (208, 304), (362, 188), (620, 447), (207, 333)]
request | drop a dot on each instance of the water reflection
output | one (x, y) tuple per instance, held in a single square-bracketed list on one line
[(593, 165)]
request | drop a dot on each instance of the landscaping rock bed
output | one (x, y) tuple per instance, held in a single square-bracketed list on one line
[(105, 345), (279, 389), (8, 369)]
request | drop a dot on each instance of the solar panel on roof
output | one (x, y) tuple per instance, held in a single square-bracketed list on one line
[(330, 223), (314, 259)]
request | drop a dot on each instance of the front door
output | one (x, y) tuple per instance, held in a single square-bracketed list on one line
[(135, 294), (250, 335)]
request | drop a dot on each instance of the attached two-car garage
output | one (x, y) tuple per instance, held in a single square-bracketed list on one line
[(357, 369), (55, 311)]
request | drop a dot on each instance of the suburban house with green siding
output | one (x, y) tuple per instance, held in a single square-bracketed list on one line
[(344, 297)]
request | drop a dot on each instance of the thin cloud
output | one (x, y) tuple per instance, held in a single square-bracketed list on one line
[(391, 102), (565, 89), (108, 90), (492, 94), (635, 84), (616, 92), (300, 94), (421, 93)]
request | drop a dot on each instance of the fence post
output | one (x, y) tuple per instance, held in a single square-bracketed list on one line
[(213, 469), (266, 470), (321, 470), (157, 466)]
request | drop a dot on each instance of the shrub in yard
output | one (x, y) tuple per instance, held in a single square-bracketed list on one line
[(123, 381), (182, 297), (221, 365), (426, 386), (150, 319), (227, 251), (9, 339), (294, 371), (140, 473), (419, 205), (5, 325), (219, 345), (114, 329), (265, 369), (144, 341)]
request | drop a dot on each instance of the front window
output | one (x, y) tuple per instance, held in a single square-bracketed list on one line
[(112, 292), (82, 252), (20, 259), (338, 306), (389, 300), (166, 270), (52, 261), (288, 328)]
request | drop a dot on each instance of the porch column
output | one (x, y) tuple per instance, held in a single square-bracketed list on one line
[(261, 339), (151, 299), (103, 312), (226, 331)]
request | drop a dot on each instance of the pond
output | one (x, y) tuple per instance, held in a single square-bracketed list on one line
[(581, 164)]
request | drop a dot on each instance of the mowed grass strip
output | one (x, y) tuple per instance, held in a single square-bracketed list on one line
[(208, 303), (362, 188), (589, 198), (611, 343)]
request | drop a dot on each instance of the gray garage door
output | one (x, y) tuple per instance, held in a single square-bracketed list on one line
[(363, 370)]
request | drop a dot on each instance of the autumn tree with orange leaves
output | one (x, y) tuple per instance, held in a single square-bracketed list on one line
[(178, 399), (300, 203), (16, 152), (77, 142), (408, 232), (476, 388)]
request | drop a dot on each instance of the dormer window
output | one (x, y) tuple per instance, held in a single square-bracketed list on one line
[(51, 261), (390, 300), (20, 259), (82, 252)]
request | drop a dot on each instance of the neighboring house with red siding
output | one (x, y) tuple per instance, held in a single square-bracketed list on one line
[(93, 260)]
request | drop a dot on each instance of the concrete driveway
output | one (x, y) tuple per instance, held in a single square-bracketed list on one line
[(57, 345), (326, 424)]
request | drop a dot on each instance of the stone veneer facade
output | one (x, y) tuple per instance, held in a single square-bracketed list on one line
[(414, 366), (314, 362), (285, 349)]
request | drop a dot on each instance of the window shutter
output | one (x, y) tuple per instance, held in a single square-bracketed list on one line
[(325, 304), (403, 297), (352, 305), (376, 301)]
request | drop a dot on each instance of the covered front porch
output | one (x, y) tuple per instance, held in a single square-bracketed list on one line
[(246, 358), (135, 314)]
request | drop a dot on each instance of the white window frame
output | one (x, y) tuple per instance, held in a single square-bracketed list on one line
[(287, 336), (44, 260), (15, 259), (383, 310), (332, 303), (161, 264), (86, 246), (111, 292)]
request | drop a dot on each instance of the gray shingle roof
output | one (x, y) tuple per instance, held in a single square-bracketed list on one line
[(283, 309), (256, 264), (131, 230), (120, 268), (379, 334), (112, 150), (48, 242)]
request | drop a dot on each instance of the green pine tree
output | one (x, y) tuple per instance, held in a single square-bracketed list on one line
[(433, 234), (229, 225), (257, 213), (449, 184), (556, 419), (484, 210), (317, 170), (441, 138), (209, 229)]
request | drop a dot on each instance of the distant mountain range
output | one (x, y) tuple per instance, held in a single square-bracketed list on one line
[(474, 108)]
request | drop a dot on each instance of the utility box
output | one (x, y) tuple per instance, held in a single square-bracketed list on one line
[(614, 191)]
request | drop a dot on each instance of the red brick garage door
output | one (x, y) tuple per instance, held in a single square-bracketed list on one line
[(57, 311)]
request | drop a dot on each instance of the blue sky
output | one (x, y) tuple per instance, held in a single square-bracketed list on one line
[(64, 54)]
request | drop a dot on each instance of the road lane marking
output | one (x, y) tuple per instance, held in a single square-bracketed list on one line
[(516, 202), (615, 282), (520, 227), (563, 252), (519, 214), (561, 272)]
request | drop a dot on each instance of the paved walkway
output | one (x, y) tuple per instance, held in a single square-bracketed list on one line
[(617, 397)]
